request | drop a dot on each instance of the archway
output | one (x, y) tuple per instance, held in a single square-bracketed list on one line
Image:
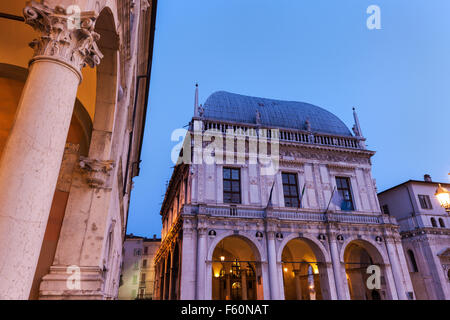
[(303, 268), (107, 87), (236, 270), (358, 257), (175, 281)]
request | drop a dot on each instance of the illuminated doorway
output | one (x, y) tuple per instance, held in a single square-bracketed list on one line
[(236, 273), (358, 257), (303, 271)]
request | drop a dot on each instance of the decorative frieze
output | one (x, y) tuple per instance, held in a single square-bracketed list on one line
[(66, 35), (327, 155)]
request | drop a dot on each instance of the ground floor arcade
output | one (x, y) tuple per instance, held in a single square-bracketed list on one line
[(224, 264)]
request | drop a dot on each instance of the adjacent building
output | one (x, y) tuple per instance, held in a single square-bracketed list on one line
[(74, 79), (138, 268), (425, 233), (275, 199)]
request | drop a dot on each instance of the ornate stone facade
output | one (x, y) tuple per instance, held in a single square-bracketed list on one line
[(65, 168), (261, 246), (425, 235)]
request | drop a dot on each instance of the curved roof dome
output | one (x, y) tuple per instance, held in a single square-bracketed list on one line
[(227, 106)]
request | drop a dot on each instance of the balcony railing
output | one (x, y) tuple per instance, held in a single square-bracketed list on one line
[(288, 214), (285, 135)]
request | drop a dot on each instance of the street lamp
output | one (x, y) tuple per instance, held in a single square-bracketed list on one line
[(443, 196)]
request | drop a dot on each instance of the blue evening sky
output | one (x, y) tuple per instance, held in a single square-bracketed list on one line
[(315, 51)]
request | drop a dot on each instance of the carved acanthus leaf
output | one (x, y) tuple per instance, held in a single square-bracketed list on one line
[(97, 172), (67, 36)]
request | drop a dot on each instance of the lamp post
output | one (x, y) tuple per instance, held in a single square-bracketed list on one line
[(443, 195)]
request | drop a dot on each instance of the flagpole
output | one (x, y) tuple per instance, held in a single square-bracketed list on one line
[(271, 189), (334, 189)]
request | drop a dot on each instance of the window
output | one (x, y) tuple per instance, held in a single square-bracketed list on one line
[(385, 209), (145, 250), (441, 223), (425, 202), (290, 190), (231, 185), (345, 194), (143, 277), (134, 279), (137, 252), (433, 223), (144, 263), (413, 261), (136, 265)]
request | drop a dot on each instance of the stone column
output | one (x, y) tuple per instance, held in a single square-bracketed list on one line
[(188, 264), (201, 264), (244, 284), (337, 268), (395, 264), (165, 283), (298, 285), (161, 281), (178, 276), (30, 162), (171, 276), (274, 292)]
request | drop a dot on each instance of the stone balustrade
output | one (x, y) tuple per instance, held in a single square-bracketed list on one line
[(298, 136), (287, 214)]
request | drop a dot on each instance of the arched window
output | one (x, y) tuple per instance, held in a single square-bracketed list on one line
[(433, 222), (441, 223), (413, 261)]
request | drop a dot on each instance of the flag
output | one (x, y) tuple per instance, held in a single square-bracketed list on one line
[(301, 196), (336, 199), (339, 201)]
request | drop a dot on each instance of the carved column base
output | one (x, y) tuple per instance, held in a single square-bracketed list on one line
[(60, 284)]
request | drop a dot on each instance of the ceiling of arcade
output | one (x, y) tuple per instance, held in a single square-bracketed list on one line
[(14, 50), (298, 250), (234, 248)]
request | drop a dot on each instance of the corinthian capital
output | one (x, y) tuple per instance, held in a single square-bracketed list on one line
[(66, 35), (96, 172)]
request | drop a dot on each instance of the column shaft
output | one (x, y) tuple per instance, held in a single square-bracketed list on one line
[(274, 294), (337, 270), (201, 263), (29, 169), (401, 292), (244, 285), (298, 285)]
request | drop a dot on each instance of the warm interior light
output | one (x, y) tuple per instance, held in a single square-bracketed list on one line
[(216, 275), (285, 269), (443, 196), (315, 268), (222, 258)]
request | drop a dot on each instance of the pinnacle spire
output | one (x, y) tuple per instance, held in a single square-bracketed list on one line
[(196, 113), (356, 127)]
